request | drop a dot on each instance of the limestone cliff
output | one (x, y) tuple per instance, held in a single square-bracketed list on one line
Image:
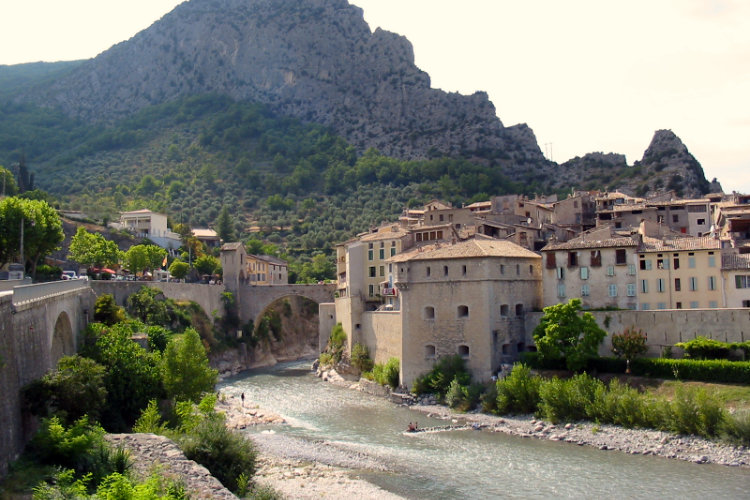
[(316, 60), (667, 165)]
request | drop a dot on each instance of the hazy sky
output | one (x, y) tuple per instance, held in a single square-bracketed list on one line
[(585, 75)]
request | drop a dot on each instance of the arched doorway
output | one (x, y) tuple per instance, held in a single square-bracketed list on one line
[(62, 339)]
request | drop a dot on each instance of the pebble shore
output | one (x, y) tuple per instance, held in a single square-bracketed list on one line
[(604, 437), (301, 469)]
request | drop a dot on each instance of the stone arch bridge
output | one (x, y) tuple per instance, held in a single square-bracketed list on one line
[(38, 325), (252, 300)]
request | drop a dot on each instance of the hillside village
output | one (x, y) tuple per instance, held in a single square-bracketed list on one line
[(446, 280)]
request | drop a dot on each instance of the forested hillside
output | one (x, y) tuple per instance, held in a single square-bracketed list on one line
[(294, 182)]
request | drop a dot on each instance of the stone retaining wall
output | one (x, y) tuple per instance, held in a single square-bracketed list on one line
[(151, 453)]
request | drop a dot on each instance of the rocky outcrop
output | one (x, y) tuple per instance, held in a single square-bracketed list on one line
[(157, 454), (668, 164), (316, 60)]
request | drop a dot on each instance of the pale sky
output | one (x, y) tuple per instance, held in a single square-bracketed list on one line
[(585, 75)]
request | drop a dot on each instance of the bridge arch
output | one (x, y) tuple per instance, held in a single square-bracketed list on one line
[(253, 300), (63, 343)]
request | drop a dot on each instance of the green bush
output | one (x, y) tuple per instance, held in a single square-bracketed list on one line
[(107, 311), (361, 358), (79, 447), (488, 399), (568, 400), (337, 342), (74, 389), (704, 348), (736, 428), (694, 412), (326, 359), (535, 361), (455, 396), (620, 404), (225, 453), (518, 392), (709, 370), (438, 380), (158, 338), (388, 373)]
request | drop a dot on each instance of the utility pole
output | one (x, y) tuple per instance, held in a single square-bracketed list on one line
[(548, 151), (22, 261)]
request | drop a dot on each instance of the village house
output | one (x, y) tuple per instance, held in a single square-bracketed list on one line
[(241, 268), (266, 270), (679, 272), (599, 267), (735, 270), (147, 224), (208, 237), (460, 297)]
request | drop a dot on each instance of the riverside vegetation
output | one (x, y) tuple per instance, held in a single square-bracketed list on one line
[(567, 338), (117, 385)]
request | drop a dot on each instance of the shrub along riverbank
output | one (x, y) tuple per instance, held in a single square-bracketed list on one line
[(583, 397)]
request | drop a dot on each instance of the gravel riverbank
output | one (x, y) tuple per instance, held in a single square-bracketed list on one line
[(301, 469), (604, 437)]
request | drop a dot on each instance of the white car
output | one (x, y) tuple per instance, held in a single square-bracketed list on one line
[(69, 275)]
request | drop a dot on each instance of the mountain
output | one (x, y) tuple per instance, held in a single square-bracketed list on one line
[(271, 105), (666, 165), (315, 60)]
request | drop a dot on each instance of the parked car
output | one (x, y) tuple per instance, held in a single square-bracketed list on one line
[(69, 275)]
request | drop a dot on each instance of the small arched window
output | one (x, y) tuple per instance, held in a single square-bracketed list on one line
[(504, 310), (429, 351), (519, 309), (463, 351), (463, 311), (429, 312)]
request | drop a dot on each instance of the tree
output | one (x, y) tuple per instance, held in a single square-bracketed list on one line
[(155, 256), (629, 344), (225, 225), (76, 388), (185, 370), (93, 250), (179, 269), (42, 230), (206, 264), (132, 375), (564, 332), (8, 185), (107, 311), (140, 258), (135, 259), (24, 179)]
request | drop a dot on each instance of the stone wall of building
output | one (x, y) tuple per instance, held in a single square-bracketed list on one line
[(667, 327), (381, 333), (326, 322)]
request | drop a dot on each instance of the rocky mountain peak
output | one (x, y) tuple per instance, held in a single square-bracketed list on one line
[(664, 142), (316, 60), (670, 166)]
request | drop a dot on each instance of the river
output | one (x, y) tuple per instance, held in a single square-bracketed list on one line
[(468, 464)]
